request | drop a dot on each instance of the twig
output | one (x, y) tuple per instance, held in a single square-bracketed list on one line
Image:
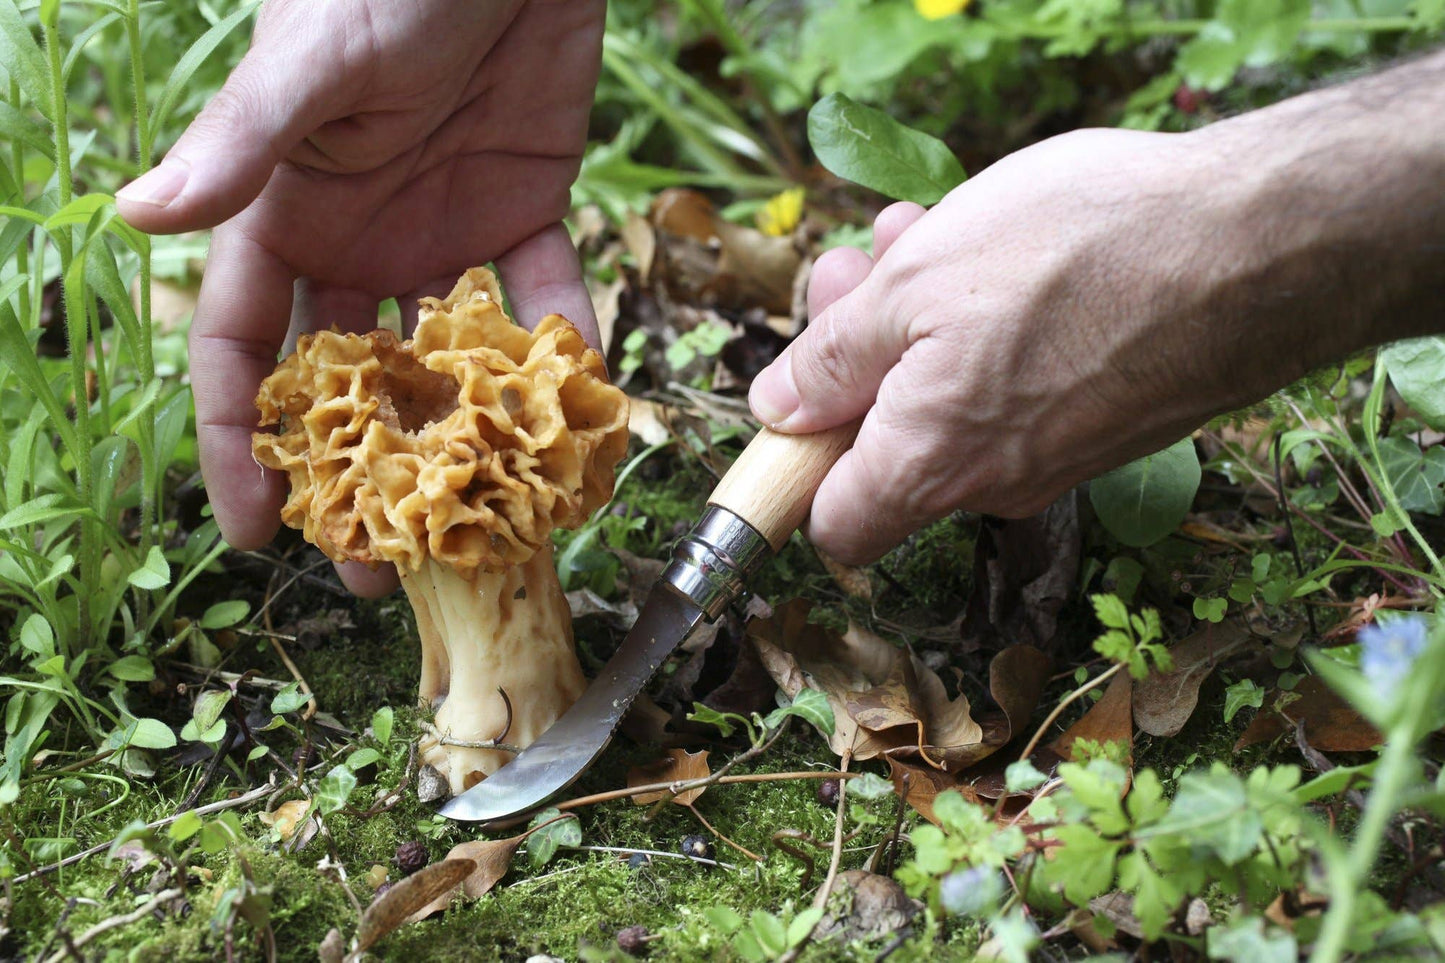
[(678, 788), (716, 832), (244, 799), (105, 926), (611, 794), (1299, 565), (820, 899), (1068, 701), (656, 852)]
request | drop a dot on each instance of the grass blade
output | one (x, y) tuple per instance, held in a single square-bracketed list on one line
[(186, 67)]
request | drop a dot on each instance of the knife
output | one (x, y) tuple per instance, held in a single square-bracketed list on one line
[(761, 500)]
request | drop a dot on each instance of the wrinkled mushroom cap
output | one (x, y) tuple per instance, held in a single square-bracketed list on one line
[(467, 444)]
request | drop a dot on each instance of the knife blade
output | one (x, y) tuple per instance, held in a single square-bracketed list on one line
[(751, 513)]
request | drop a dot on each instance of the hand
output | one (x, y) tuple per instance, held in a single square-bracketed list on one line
[(1081, 303), (363, 150)]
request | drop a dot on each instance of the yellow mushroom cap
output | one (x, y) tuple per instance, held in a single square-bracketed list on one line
[(467, 444)]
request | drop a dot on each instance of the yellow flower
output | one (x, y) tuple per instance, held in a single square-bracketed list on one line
[(781, 213), (938, 9)]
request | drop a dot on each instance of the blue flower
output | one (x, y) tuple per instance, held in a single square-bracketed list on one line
[(971, 892), (1388, 652)]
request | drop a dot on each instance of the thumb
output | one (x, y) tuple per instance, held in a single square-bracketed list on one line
[(830, 374), (277, 95)]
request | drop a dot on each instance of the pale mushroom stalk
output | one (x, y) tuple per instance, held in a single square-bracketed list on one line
[(454, 455), (510, 631)]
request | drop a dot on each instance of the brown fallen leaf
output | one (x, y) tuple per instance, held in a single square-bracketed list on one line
[(400, 904), (919, 785), (487, 861), (1330, 724), (1111, 719), (678, 766), (1025, 570), (886, 701), (854, 581), (1164, 701)]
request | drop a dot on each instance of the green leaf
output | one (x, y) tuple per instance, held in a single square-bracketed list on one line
[(1265, 30), (801, 926), (179, 80), (709, 716), (1417, 476), (79, 211), (185, 826), (1248, 942), (154, 573), (1110, 611), (17, 127), (362, 758), (1143, 501), (37, 636), (39, 510), (133, 668), (771, 933), (382, 722), (334, 789), (1211, 59), (151, 734), (1021, 776), (870, 148), (208, 708), (210, 735), (289, 699), (870, 785), (811, 706), (726, 919), (1088, 870), (225, 614), (542, 844), (23, 58), (1210, 610), (1243, 693), (217, 836), (1211, 811)]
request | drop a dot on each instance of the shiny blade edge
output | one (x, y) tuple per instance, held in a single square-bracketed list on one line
[(562, 753)]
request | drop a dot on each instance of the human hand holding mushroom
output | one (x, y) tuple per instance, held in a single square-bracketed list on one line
[(454, 455)]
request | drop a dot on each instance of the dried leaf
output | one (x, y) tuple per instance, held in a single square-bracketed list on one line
[(648, 420), (853, 581), (679, 766), (641, 241), (919, 785), (1330, 724), (398, 905), (486, 860), (1164, 701), (684, 212), (1111, 719), (1025, 571), (754, 269)]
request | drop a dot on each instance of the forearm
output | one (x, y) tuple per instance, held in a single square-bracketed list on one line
[(1338, 206)]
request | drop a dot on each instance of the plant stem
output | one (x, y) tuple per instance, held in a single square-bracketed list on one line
[(22, 253), (1067, 701), (1347, 876), (145, 362), (75, 325)]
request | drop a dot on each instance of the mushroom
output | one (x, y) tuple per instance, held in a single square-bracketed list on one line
[(454, 455)]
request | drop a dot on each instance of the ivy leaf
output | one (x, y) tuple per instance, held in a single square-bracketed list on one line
[(289, 699), (868, 147), (1143, 501), (725, 721), (1248, 940), (1243, 693), (543, 843), (382, 722), (335, 789), (1416, 476), (810, 705)]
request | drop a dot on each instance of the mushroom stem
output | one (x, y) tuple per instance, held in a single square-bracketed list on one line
[(508, 630)]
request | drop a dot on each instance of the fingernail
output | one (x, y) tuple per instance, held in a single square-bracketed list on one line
[(159, 186), (774, 396)]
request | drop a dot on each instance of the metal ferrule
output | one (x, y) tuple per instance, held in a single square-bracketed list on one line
[(713, 563)]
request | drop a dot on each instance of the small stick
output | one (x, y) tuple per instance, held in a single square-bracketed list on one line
[(680, 788), (820, 899), (106, 926), (311, 705), (1068, 701), (656, 852), (1299, 565), (215, 807), (714, 830)]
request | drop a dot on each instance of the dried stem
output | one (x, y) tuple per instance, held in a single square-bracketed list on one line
[(105, 926), (1068, 700)]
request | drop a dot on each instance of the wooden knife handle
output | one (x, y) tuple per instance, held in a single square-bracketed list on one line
[(772, 484)]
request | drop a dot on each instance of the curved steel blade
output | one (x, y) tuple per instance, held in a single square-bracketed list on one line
[(564, 751)]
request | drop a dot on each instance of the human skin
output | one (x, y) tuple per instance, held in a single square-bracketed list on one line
[(1099, 295), (363, 150)]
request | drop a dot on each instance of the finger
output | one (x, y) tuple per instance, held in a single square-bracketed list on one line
[(834, 274), (542, 276), (319, 307), (830, 374), (892, 221), (241, 318), (286, 86), (901, 473), (362, 581)]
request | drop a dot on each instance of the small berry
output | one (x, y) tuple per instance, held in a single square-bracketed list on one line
[(697, 846), (828, 793), (1188, 100), (639, 861), (411, 857), (632, 940)]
